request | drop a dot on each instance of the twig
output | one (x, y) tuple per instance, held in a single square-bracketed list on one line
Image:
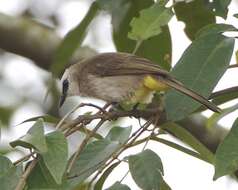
[(111, 115), (128, 171), (22, 182), (67, 115), (79, 106), (72, 129), (82, 145), (23, 158), (233, 66)]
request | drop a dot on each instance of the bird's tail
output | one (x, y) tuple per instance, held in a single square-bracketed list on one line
[(181, 88)]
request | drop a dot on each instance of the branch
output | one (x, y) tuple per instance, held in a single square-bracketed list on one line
[(22, 181), (24, 37), (32, 40)]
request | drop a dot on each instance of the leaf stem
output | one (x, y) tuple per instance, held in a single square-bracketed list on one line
[(22, 182), (138, 44)]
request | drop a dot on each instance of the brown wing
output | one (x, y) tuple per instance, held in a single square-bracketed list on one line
[(114, 64)]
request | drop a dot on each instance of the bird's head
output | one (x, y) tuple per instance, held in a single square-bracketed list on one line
[(69, 85)]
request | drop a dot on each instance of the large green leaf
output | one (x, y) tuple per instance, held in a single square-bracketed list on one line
[(214, 119), (146, 170), (212, 29), (195, 15), (119, 134), (34, 138), (179, 148), (157, 48), (5, 165), (72, 41), (200, 68), (224, 95), (220, 7), (226, 157), (164, 186), (9, 174), (149, 23), (47, 118), (118, 186), (94, 155), (40, 178), (55, 159)]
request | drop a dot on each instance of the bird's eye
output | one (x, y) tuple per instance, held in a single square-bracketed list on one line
[(65, 86)]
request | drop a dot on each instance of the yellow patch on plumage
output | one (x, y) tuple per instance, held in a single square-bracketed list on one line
[(154, 84), (140, 96)]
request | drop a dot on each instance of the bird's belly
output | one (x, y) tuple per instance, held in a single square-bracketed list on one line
[(113, 88)]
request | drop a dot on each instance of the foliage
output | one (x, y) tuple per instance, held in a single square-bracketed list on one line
[(140, 27)]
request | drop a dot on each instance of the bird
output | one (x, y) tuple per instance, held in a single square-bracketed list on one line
[(116, 77)]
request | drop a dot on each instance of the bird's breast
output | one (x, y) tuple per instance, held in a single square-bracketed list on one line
[(111, 88)]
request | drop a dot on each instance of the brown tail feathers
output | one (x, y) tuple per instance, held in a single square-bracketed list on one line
[(181, 88)]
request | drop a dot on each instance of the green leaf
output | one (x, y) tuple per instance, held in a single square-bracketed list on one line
[(223, 96), (157, 49), (218, 116), (120, 134), (200, 68), (150, 22), (118, 186), (226, 157), (189, 139), (220, 7), (179, 148), (146, 170), (235, 15), (46, 118), (40, 178), (55, 159), (9, 174), (94, 155), (104, 176), (165, 186), (72, 41), (212, 29), (195, 15), (34, 138), (5, 165)]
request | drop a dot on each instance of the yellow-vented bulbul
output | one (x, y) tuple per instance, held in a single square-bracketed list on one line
[(118, 77)]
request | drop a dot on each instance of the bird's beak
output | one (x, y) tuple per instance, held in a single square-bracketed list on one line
[(62, 99)]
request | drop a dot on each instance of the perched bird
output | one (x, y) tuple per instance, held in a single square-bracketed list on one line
[(117, 77)]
